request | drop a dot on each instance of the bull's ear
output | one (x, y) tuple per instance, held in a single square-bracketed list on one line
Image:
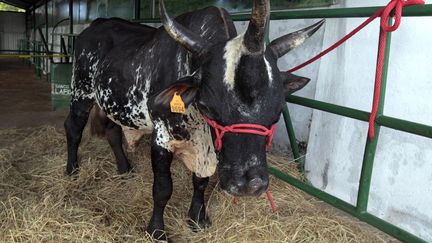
[(186, 87), (292, 83)]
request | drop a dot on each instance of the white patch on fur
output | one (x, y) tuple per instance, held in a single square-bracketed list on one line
[(249, 111), (252, 162), (145, 123), (162, 134), (197, 152), (72, 84), (269, 71), (234, 50), (183, 62), (76, 93)]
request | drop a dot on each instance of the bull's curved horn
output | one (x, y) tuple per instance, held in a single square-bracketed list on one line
[(254, 36), (185, 37), (286, 43)]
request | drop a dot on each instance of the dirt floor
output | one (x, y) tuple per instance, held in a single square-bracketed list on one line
[(24, 98), (38, 203)]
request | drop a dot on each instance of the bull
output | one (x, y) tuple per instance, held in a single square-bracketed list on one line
[(224, 80)]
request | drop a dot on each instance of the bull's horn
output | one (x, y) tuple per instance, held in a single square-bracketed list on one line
[(254, 36), (185, 37), (286, 43)]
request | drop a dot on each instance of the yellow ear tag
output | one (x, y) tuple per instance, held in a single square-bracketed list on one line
[(177, 105)]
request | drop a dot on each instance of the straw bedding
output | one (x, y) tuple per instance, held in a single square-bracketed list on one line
[(38, 203)]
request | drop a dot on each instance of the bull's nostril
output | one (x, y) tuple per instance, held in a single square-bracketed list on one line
[(233, 189), (256, 184), (239, 183)]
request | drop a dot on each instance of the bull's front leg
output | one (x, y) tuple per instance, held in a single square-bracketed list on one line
[(197, 213), (162, 189)]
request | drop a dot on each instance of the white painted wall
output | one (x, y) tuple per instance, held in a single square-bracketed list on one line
[(401, 190), (12, 29)]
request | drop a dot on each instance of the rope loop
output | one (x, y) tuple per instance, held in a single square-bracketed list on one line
[(396, 6), (240, 128)]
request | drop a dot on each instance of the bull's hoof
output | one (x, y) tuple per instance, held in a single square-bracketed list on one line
[(127, 176), (125, 169), (158, 235), (199, 226), (72, 170)]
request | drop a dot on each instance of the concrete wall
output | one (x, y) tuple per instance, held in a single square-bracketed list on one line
[(12, 29), (401, 190)]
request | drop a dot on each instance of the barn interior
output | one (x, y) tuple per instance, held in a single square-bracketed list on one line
[(38, 202)]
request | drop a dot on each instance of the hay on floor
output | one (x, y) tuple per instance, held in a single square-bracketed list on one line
[(39, 203)]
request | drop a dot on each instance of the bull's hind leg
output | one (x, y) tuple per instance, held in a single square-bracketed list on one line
[(74, 125), (115, 136), (197, 213), (102, 126)]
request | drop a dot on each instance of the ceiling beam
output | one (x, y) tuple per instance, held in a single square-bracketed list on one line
[(18, 3)]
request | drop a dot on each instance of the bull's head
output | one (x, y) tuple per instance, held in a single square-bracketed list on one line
[(239, 82)]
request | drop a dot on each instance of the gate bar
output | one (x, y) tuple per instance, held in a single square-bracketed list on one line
[(293, 140), (371, 145), (340, 204), (423, 10), (362, 12), (386, 121), (328, 107)]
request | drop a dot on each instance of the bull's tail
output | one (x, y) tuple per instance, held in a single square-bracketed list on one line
[(97, 122)]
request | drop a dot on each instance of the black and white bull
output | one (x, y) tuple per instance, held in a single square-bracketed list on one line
[(132, 72)]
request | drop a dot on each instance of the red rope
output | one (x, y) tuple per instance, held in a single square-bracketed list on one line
[(240, 128), (271, 201), (269, 198), (385, 12)]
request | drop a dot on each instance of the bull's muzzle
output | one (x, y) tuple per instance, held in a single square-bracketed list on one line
[(252, 183)]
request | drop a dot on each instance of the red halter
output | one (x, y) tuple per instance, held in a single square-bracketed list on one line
[(241, 128), (244, 128)]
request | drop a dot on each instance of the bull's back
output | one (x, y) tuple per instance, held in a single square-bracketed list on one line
[(104, 34)]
